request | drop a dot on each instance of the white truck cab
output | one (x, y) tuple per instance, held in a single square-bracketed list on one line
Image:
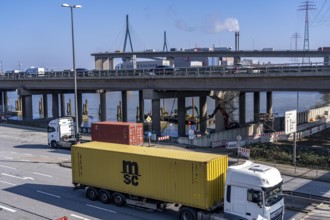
[(253, 191), (61, 132)]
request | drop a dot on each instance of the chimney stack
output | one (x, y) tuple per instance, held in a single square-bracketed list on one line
[(237, 40)]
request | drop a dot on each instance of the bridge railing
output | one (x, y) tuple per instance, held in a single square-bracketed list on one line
[(203, 71)]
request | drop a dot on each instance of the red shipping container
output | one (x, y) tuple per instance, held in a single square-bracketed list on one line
[(118, 132)]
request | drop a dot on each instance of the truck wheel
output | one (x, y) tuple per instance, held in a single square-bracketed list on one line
[(118, 199), (188, 213), (104, 196), (91, 193), (53, 144)]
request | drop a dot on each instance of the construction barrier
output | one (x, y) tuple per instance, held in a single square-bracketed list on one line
[(163, 138)]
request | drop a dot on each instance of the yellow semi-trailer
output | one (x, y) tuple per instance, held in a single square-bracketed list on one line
[(187, 178), (154, 178)]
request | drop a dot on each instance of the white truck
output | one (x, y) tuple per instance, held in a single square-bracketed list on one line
[(61, 132), (35, 71), (201, 184), (148, 64)]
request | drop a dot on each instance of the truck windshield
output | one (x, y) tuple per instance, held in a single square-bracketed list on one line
[(273, 194)]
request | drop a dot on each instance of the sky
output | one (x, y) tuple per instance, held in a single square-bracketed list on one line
[(38, 32)]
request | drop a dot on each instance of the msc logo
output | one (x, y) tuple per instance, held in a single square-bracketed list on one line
[(131, 172)]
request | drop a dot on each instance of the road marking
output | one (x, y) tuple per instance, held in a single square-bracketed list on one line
[(43, 156), (13, 168), (79, 217), (108, 210), (42, 174), (22, 178), (49, 194), (9, 158), (13, 152), (27, 154), (12, 184), (8, 209), (25, 160)]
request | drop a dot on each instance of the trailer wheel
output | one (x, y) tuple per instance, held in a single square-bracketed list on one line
[(104, 196), (91, 193), (188, 213), (54, 144), (118, 199)]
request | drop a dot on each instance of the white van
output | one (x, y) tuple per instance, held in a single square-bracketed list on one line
[(35, 71)]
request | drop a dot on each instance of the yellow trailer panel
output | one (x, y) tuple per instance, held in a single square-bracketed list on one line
[(184, 177)]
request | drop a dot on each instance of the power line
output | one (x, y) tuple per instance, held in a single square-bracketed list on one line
[(306, 6)]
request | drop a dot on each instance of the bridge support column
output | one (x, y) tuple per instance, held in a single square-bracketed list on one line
[(63, 113), (4, 101), (155, 108), (181, 117), (103, 106), (124, 105), (256, 105), (45, 105), (269, 103), (242, 108), (55, 107), (27, 110), (141, 106), (80, 109), (202, 114), (219, 118)]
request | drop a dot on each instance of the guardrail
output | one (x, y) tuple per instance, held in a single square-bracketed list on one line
[(204, 71)]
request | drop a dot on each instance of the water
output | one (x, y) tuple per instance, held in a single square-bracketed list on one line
[(282, 101)]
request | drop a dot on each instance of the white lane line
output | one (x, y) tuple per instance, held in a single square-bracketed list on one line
[(27, 154), (43, 156), (42, 174), (12, 184), (7, 209), (9, 158), (79, 217), (49, 194), (13, 168), (13, 152), (96, 207), (24, 160), (17, 177)]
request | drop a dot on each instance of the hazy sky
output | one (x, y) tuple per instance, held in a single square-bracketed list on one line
[(38, 32)]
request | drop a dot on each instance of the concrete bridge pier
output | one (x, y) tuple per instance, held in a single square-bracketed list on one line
[(181, 117), (155, 108), (55, 106), (104, 63), (124, 105), (219, 118), (202, 114), (256, 105), (27, 110), (242, 108), (4, 101), (141, 106), (45, 105), (103, 106), (63, 104), (269, 103)]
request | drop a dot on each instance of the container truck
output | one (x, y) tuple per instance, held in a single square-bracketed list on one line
[(130, 133), (61, 132), (201, 184)]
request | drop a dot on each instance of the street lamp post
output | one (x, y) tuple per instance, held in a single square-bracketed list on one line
[(74, 68)]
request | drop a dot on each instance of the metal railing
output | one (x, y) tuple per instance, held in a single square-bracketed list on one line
[(204, 71)]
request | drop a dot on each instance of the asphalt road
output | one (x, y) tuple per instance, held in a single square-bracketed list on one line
[(34, 186)]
